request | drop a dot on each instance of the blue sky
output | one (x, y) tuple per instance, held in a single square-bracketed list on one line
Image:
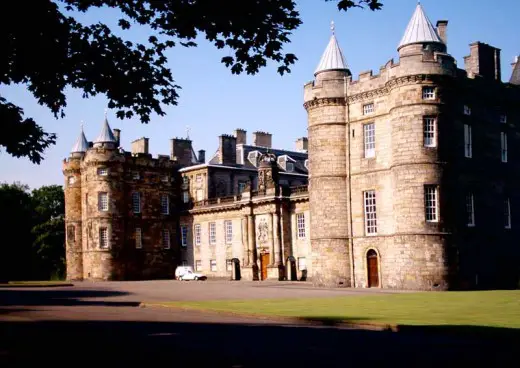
[(213, 101)]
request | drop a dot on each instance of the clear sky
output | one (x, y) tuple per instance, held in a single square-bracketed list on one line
[(213, 101)]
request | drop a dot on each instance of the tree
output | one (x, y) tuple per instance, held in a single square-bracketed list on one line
[(46, 49)]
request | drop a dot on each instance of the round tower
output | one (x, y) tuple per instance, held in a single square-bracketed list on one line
[(102, 193), (73, 211), (326, 108)]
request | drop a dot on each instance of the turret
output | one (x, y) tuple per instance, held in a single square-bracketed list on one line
[(106, 137), (325, 104)]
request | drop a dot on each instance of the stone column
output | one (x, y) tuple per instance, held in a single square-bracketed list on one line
[(271, 238), (276, 239), (245, 241), (250, 239)]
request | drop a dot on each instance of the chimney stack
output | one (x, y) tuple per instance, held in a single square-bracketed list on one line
[(483, 61), (241, 136), (117, 136), (140, 145), (181, 151), (262, 139), (202, 156), (442, 26), (302, 144), (227, 149)]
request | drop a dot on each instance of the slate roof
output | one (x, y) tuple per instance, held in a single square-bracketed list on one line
[(332, 58), (106, 135), (515, 75), (419, 29), (81, 144)]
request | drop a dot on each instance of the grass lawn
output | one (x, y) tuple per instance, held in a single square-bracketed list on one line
[(479, 308), (35, 283)]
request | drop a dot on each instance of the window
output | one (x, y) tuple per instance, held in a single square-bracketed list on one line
[(468, 149), (184, 235), (165, 178), (300, 224), (253, 157), (507, 214), (136, 202), (429, 132), (369, 139), (302, 263), (212, 233), (71, 233), (165, 204), (241, 186), (229, 231), (138, 238), (428, 93), (198, 178), (289, 167), (503, 146), (213, 265), (368, 109), (102, 171), (430, 203), (71, 179), (103, 238), (198, 265), (369, 198), (200, 194), (103, 201), (470, 210), (166, 239), (185, 180), (503, 118), (135, 175), (185, 197), (229, 265), (196, 230), (467, 110)]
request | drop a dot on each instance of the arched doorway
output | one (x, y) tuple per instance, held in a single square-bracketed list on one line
[(291, 269), (235, 272), (372, 268)]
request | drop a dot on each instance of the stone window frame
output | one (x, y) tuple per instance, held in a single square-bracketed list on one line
[(507, 213), (165, 204), (184, 235), (369, 108), (369, 140), (503, 147), (104, 239), (228, 231), (197, 234), (213, 265), (370, 211), (198, 265), (300, 225), (136, 202), (470, 210), (429, 93), (431, 202), (430, 131), (468, 141), (212, 233), (103, 205), (102, 171), (138, 238), (165, 238)]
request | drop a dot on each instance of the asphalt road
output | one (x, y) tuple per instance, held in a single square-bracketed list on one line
[(102, 324)]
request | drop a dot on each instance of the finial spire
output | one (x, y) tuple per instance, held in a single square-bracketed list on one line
[(332, 27), (81, 124), (187, 132), (106, 112)]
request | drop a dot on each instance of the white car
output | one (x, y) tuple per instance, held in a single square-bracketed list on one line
[(190, 275)]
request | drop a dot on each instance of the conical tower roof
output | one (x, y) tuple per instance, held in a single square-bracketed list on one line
[(81, 144), (332, 58), (106, 135), (515, 76), (419, 30)]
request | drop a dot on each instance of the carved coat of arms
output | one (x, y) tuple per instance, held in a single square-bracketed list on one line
[(263, 232)]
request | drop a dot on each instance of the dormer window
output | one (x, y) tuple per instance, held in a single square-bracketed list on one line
[(503, 118), (102, 171), (467, 110), (428, 93), (253, 157), (289, 167), (368, 109)]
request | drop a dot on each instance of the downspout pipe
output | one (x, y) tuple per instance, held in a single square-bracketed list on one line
[(349, 182)]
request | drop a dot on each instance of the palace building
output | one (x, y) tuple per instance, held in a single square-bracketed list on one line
[(408, 180)]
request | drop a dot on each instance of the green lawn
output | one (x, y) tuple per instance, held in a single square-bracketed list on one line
[(480, 308)]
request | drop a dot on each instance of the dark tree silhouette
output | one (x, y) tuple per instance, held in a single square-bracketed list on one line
[(46, 49)]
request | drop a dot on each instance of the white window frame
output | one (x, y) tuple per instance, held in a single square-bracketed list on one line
[(429, 131), (470, 210), (184, 235), (136, 202), (228, 229), (507, 213), (468, 141), (503, 118), (165, 204), (165, 239), (503, 146), (197, 233), (467, 110), (198, 265), (138, 238), (103, 201), (102, 171), (431, 203), (185, 197), (212, 233), (300, 225), (370, 210), (368, 108), (369, 139), (428, 93), (213, 265), (103, 238)]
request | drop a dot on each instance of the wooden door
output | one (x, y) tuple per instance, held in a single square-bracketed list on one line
[(264, 261), (373, 269)]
